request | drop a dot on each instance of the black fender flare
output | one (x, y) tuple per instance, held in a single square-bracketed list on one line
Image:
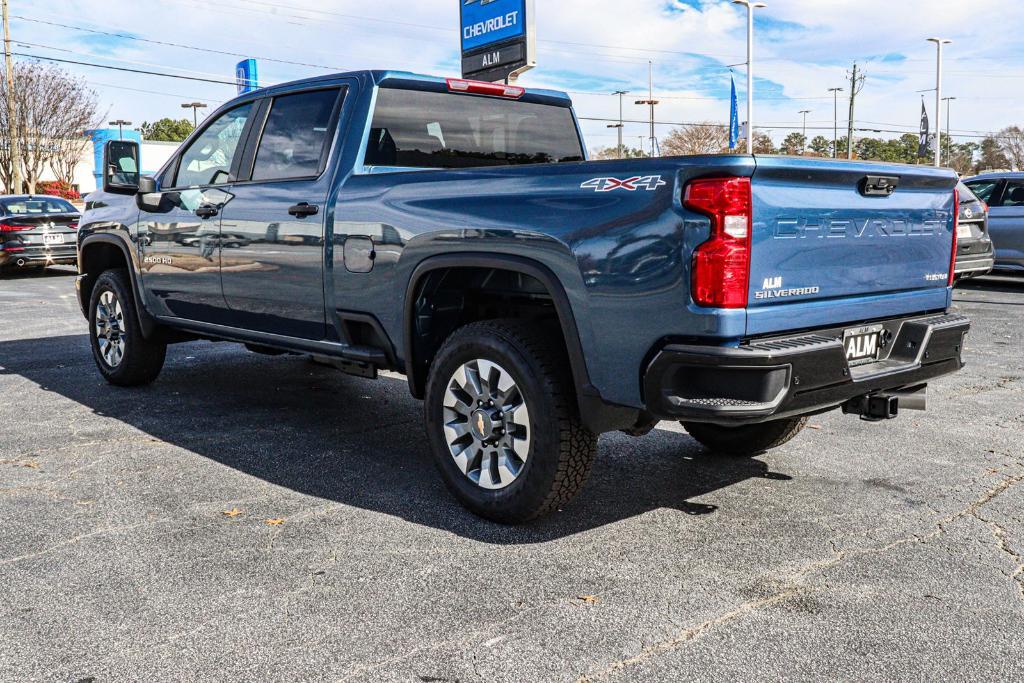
[(598, 415), (147, 322)]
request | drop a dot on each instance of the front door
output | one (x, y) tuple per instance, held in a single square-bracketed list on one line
[(179, 227), (272, 230), (1006, 224)]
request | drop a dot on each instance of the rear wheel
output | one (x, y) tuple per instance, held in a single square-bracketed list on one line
[(502, 421), (124, 357), (746, 440)]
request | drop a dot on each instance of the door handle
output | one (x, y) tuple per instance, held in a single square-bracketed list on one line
[(207, 211), (304, 209)]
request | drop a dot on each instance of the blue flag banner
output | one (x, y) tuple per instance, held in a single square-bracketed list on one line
[(734, 119)]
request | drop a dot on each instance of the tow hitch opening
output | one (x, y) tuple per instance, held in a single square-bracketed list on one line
[(886, 406)]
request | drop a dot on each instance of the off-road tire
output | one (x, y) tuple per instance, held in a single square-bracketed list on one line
[(143, 358), (746, 440), (561, 450)]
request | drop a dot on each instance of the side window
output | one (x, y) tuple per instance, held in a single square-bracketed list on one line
[(296, 136), (1013, 195), (983, 189), (207, 161)]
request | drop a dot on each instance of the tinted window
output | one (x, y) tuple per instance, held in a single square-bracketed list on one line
[(295, 136), (35, 206), (983, 189), (438, 130), (1013, 195), (207, 161), (966, 196)]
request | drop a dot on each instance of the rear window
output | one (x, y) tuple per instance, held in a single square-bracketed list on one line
[(36, 206), (414, 129), (983, 189)]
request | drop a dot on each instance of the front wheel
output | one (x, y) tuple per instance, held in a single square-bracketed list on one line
[(746, 440), (503, 424), (124, 357)]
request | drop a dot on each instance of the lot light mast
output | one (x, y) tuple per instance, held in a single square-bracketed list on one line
[(120, 123), (195, 107), (803, 146), (751, 6), (939, 42), (835, 121), (619, 151), (652, 103)]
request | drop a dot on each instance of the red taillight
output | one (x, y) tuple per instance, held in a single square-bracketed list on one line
[(73, 226), (721, 266), (11, 250), (16, 227), (956, 236), (459, 85)]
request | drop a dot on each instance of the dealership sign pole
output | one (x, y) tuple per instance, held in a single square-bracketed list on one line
[(498, 39)]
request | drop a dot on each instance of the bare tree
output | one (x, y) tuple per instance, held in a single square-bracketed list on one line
[(1011, 142), (54, 111), (703, 138)]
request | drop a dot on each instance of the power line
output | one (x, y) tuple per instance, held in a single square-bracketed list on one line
[(123, 68)]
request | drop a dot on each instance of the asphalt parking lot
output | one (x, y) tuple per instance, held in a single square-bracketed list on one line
[(857, 552)]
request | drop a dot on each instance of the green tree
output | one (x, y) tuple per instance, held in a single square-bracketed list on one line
[(992, 157), (821, 146), (763, 144), (794, 144), (605, 153), (166, 130)]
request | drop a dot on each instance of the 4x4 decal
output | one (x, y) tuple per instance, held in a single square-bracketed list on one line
[(649, 183)]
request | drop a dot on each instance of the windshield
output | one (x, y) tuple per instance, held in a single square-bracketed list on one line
[(415, 129), (35, 206), (966, 196)]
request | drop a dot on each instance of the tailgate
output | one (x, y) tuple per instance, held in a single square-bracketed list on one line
[(821, 238)]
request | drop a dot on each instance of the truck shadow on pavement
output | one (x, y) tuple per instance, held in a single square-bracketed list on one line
[(318, 432)]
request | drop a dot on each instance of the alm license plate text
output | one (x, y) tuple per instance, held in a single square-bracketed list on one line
[(53, 238), (863, 344)]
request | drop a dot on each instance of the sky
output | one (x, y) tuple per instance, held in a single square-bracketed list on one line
[(589, 48)]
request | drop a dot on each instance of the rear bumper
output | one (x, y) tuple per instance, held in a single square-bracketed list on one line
[(972, 266), (787, 376), (34, 256)]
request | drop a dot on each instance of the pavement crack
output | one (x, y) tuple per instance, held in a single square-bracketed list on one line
[(817, 566), (74, 540)]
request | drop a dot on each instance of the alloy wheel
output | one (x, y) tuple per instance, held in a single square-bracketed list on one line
[(110, 334)]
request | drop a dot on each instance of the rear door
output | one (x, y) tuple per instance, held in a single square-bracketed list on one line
[(1006, 224), (829, 240), (272, 231)]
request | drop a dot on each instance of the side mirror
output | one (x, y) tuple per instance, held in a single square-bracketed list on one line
[(148, 197), (121, 167)]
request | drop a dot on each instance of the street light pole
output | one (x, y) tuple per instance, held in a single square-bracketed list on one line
[(621, 124), (835, 122), (805, 112), (195, 107), (12, 109), (751, 6), (949, 139), (120, 123), (939, 42), (652, 103)]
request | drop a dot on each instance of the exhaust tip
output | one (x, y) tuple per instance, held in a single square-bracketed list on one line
[(20, 263)]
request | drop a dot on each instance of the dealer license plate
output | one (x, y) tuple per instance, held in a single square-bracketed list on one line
[(863, 344), (53, 238)]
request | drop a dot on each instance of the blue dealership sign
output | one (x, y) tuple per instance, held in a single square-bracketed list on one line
[(497, 38), (488, 22), (247, 76)]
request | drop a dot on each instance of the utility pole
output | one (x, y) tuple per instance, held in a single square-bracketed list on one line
[(12, 109), (856, 85), (949, 138), (751, 6), (939, 42), (652, 103), (835, 122), (805, 112), (620, 125)]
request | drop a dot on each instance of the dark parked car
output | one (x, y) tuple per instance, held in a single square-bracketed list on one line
[(1004, 194), (975, 252), (37, 231)]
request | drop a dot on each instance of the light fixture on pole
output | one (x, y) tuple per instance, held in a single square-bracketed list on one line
[(949, 138), (621, 124), (835, 123), (805, 112), (195, 107), (751, 6), (120, 123), (939, 42)]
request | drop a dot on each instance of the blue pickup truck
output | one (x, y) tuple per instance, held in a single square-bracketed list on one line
[(454, 232)]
